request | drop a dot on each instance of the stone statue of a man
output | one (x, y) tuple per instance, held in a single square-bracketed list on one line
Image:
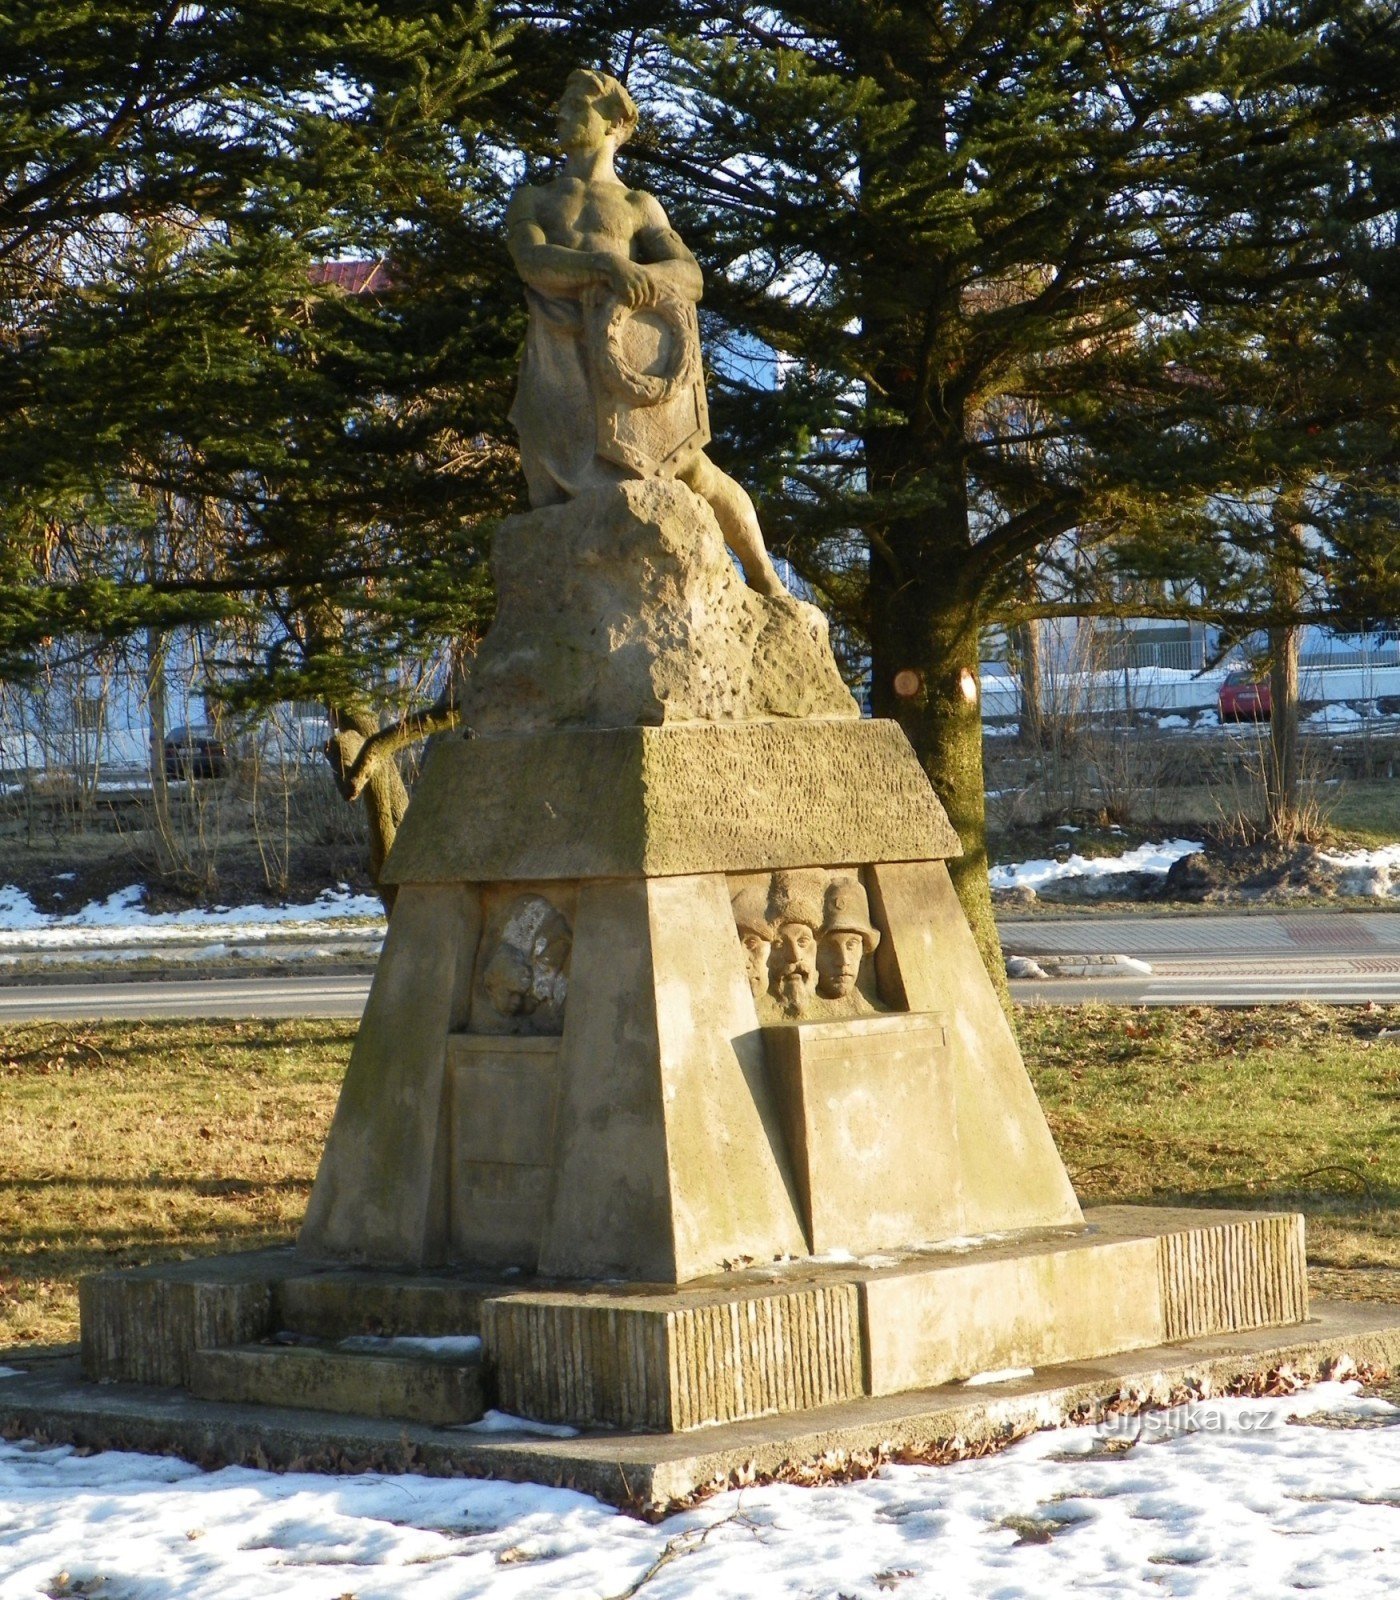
[(611, 385)]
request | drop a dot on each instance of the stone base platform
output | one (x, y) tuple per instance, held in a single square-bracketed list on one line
[(791, 1337), (653, 1472)]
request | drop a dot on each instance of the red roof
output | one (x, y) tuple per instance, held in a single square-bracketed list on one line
[(351, 277)]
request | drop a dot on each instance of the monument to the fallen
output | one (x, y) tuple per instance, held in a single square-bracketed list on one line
[(681, 1076)]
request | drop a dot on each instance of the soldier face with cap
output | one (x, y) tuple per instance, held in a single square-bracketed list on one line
[(847, 936), (839, 955)]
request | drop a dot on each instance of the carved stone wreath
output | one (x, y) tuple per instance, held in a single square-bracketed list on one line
[(651, 388)]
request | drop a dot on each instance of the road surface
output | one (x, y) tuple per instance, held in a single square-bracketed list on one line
[(1339, 958), (297, 996)]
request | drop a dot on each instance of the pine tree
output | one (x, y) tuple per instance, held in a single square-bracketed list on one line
[(991, 239), (171, 181)]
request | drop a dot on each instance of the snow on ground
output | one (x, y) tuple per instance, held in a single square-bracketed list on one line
[(1366, 872), (1215, 1501), (121, 919), (1144, 858)]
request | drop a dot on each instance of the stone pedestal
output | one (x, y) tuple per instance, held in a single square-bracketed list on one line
[(643, 1116), (681, 1081)]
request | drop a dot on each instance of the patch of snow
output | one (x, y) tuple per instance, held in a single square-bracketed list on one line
[(1213, 1499), (1000, 1375), (1145, 858), (1333, 716), (1173, 721), (452, 1347), (1001, 730), (122, 919), (1024, 967), (503, 1422), (1366, 872)]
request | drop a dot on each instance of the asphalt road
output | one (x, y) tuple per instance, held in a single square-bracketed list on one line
[(198, 997), (1340, 958), (1337, 958)]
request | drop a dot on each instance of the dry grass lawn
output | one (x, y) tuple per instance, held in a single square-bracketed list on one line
[(132, 1141), (127, 1142)]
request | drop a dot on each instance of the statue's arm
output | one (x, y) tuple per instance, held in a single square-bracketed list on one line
[(550, 268), (663, 252)]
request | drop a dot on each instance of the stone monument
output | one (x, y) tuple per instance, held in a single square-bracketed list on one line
[(681, 1071)]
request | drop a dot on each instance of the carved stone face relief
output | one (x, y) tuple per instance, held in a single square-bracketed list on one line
[(755, 934), (523, 976), (847, 937), (806, 936)]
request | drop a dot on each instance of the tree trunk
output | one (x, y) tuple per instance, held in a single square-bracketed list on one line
[(1281, 767), (385, 796), (925, 644), (156, 706), (1032, 731)]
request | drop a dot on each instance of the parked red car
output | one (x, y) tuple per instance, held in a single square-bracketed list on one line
[(1244, 698)]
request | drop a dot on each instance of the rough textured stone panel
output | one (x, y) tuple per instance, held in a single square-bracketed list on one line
[(1250, 1273), (659, 802), (675, 1363)]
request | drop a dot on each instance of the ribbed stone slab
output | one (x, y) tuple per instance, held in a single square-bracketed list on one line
[(144, 1324), (673, 1362), (662, 802), (1251, 1272), (352, 1383)]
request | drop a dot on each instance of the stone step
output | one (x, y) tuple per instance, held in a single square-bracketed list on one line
[(410, 1387), (334, 1304)]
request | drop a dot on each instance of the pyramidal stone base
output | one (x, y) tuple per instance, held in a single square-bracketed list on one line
[(570, 1062)]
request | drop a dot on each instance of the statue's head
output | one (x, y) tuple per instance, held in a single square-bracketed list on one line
[(847, 937), (592, 107), (795, 915), (755, 934), (525, 972)]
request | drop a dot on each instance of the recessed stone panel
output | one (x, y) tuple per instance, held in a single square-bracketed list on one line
[(503, 1092), (870, 1119)]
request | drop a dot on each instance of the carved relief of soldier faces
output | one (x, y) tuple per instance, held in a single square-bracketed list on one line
[(806, 936)]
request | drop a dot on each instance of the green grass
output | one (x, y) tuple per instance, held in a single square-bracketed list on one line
[(1295, 1107), (1367, 811), (127, 1142)]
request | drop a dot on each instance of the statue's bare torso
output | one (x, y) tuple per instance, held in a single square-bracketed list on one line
[(577, 241)]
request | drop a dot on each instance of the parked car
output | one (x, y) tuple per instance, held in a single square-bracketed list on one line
[(1244, 698), (195, 751)]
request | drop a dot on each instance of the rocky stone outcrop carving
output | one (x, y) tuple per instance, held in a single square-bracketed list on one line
[(622, 607)]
